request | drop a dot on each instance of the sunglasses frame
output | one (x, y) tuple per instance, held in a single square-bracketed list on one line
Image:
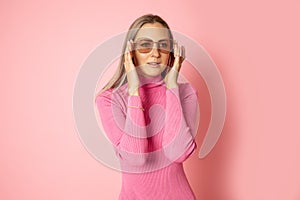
[(149, 49)]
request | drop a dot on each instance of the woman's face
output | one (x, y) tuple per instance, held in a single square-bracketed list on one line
[(154, 62)]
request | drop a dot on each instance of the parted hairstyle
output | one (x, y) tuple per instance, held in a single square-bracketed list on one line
[(119, 77)]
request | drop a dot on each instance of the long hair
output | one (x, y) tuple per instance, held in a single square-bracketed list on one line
[(119, 78)]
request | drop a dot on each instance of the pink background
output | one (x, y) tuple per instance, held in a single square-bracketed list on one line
[(255, 45)]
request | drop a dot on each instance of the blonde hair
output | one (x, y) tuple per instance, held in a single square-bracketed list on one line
[(119, 77)]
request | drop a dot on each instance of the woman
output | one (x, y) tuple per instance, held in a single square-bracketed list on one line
[(148, 116)]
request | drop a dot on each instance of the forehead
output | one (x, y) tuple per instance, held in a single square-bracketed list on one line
[(154, 31)]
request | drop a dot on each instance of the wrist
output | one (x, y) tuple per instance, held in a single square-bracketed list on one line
[(172, 85), (133, 92)]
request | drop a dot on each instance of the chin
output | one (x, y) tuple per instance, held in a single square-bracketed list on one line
[(151, 71)]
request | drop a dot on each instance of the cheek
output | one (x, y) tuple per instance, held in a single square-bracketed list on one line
[(165, 59), (140, 58)]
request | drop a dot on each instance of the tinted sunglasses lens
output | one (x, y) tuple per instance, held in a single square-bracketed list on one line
[(165, 46), (144, 50), (144, 46)]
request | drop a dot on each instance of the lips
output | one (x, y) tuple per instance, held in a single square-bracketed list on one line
[(154, 64)]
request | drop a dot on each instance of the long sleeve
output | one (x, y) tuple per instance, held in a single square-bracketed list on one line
[(124, 126), (180, 122)]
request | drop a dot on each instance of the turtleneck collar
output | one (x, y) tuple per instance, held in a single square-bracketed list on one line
[(154, 80)]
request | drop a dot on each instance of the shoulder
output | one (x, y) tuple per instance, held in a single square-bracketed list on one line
[(104, 94), (111, 96)]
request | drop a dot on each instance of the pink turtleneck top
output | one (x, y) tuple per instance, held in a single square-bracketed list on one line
[(153, 134)]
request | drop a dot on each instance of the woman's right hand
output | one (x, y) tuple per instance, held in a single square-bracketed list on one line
[(131, 73)]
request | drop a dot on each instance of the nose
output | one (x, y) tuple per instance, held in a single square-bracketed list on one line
[(155, 52)]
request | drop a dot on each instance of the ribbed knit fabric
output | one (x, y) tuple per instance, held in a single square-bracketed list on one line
[(151, 144)]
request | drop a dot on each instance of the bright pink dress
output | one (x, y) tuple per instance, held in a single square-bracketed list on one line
[(151, 144)]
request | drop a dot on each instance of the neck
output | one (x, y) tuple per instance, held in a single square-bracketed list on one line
[(151, 79)]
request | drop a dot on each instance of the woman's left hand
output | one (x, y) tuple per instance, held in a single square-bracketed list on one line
[(172, 76)]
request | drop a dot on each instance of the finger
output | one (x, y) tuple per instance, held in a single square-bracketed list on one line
[(176, 52), (127, 62), (183, 52), (127, 46), (128, 59), (131, 44), (130, 55), (174, 48), (126, 52), (128, 49), (180, 51), (176, 60)]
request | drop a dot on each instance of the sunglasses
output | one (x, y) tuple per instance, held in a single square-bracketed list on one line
[(146, 45)]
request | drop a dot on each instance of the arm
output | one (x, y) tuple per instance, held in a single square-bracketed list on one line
[(180, 126), (124, 128)]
